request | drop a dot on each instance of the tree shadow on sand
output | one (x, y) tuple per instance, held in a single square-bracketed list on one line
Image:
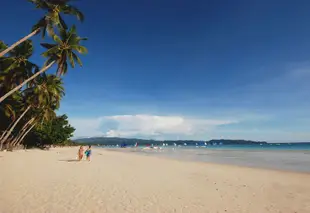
[(70, 160)]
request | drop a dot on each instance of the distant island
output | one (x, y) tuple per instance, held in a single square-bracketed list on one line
[(131, 141)]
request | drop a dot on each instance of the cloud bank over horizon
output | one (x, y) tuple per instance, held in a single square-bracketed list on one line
[(145, 126), (149, 126)]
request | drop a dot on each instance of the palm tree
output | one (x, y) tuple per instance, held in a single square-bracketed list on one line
[(30, 100), (22, 131), (43, 115), (65, 49), (17, 67), (13, 70), (7, 135), (46, 115), (10, 109), (46, 98), (10, 114), (3, 46), (48, 88), (52, 18), (23, 135)]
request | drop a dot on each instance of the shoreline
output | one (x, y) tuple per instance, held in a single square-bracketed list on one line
[(53, 181), (145, 154), (149, 153)]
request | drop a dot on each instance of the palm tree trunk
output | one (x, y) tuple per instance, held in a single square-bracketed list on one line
[(16, 139), (18, 42), (1, 144), (16, 122), (26, 133), (4, 133), (26, 81)]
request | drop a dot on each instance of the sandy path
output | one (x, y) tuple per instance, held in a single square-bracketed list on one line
[(45, 181)]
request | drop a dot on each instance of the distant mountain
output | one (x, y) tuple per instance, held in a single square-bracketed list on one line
[(129, 141)]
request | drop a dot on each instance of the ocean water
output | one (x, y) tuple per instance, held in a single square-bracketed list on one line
[(278, 157)]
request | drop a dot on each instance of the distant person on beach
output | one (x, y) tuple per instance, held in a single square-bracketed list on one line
[(80, 153), (88, 153)]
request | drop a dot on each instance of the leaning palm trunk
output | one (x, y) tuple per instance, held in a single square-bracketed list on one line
[(26, 81), (16, 122), (14, 141), (4, 133), (1, 144), (18, 42), (7, 129), (20, 134), (24, 135)]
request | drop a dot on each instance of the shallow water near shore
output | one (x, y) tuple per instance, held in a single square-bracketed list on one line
[(295, 159)]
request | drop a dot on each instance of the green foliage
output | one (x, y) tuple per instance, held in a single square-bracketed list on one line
[(3, 46), (17, 67), (28, 107), (66, 47), (57, 131), (52, 17)]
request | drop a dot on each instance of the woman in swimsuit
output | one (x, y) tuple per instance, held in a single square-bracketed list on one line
[(80, 153), (88, 153)]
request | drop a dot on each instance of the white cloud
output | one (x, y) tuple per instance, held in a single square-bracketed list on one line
[(144, 125), (86, 126)]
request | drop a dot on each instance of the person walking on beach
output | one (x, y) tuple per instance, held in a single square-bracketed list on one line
[(88, 153), (80, 153)]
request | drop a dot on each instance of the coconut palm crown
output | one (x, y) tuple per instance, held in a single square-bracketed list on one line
[(66, 47)]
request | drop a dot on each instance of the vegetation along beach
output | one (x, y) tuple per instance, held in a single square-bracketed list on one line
[(129, 125)]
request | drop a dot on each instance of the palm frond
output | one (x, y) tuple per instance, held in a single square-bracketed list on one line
[(50, 30), (62, 23), (9, 110), (48, 46), (31, 66), (50, 52), (82, 39), (40, 4), (3, 46), (63, 33), (25, 50), (11, 67), (57, 39), (42, 25), (77, 59), (50, 60), (71, 10), (71, 59), (81, 49), (72, 30)]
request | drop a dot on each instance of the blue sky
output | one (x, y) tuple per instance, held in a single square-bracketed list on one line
[(169, 69)]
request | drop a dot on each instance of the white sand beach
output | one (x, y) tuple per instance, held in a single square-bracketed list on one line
[(52, 181)]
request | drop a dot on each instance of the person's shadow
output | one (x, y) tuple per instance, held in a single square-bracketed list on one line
[(70, 160)]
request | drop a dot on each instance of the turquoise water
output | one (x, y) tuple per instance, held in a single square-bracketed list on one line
[(294, 157), (270, 146)]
